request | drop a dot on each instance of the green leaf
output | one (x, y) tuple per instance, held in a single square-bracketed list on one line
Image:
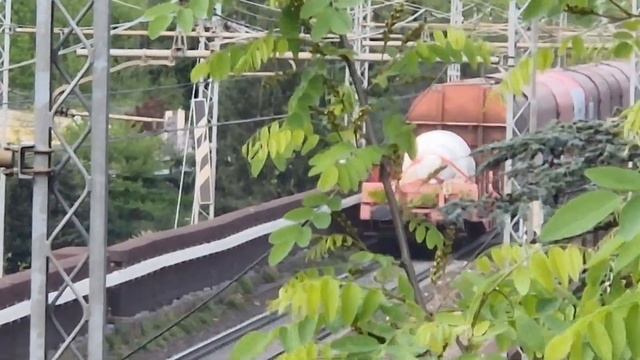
[(166, 8), (220, 66), (559, 265), (599, 340), (536, 9), (313, 7), (530, 333), (355, 344), (623, 50), (310, 144), (457, 38), (306, 329), (200, 71), (315, 200), (334, 203), (251, 345), (405, 287), (541, 270), (330, 297), (421, 232), (299, 214), (290, 22), (322, 25), (340, 22), (605, 250), (558, 348), (370, 305), (361, 257), (576, 262), (158, 25), (434, 238), (321, 220), (279, 252), (614, 178), (351, 298), (580, 215), (632, 322), (616, 329), (629, 252), (521, 280), (328, 179), (632, 25), (305, 237), (185, 20), (199, 7), (289, 337), (629, 219), (287, 234), (623, 35)]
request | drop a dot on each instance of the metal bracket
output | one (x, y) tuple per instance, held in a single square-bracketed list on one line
[(19, 161)]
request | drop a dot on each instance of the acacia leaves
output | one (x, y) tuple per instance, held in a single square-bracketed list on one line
[(162, 15), (344, 166), (587, 210), (610, 331), (455, 47), (240, 58), (326, 17), (580, 214), (252, 345), (316, 212)]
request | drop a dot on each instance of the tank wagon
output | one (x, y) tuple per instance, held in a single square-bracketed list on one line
[(471, 111)]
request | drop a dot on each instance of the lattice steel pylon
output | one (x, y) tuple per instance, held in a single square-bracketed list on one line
[(5, 60), (362, 18), (453, 70), (204, 111), (516, 110), (49, 70)]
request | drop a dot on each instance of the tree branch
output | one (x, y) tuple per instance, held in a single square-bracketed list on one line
[(403, 244)]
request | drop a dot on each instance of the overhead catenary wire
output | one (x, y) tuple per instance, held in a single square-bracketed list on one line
[(211, 297)]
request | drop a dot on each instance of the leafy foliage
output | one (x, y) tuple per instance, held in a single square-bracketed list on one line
[(554, 300)]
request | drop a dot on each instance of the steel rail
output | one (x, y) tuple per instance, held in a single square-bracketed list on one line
[(218, 342)]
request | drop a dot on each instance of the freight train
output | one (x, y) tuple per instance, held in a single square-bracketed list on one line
[(453, 119)]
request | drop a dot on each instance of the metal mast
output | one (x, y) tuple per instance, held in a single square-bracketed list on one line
[(516, 110), (5, 57), (44, 173), (205, 119), (453, 71)]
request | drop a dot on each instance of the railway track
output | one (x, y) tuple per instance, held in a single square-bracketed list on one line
[(220, 346)]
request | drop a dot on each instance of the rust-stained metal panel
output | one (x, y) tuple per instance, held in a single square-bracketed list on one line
[(427, 107), (591, 93), (616, 84), (469, 109), (562, 95), (463, 103), (628, 71), (621, 78), (576, 91), (604, 106), (615, 92)]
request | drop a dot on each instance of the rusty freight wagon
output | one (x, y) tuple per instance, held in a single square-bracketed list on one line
[(582, 93)]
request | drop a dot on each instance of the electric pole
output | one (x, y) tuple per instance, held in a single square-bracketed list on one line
[(5, 17)]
